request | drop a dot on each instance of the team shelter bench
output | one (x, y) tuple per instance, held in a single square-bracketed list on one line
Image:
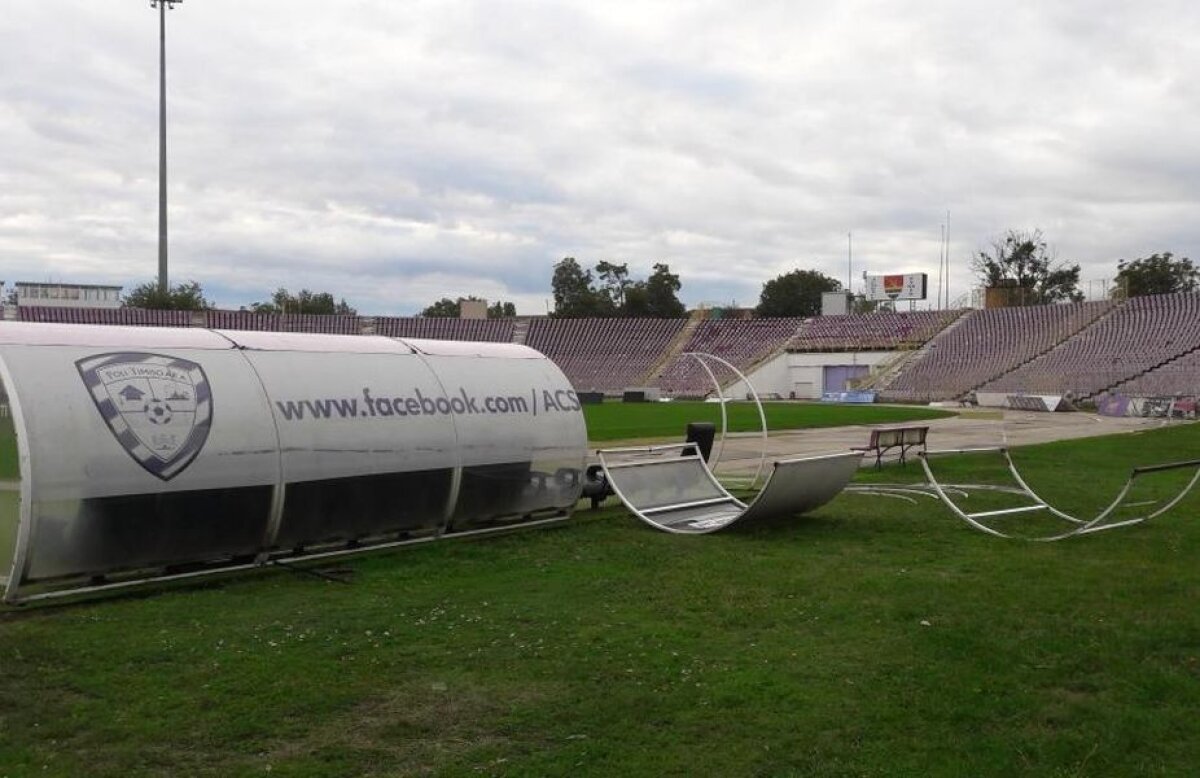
[(884, 440)]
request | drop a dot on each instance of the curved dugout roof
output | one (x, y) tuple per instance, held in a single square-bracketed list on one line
[(35, 334), (141, 451)]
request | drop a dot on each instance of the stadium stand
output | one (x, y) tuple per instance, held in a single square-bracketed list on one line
[(1147, 346), (1177, 377), (604, 355), (285, 322), (882, 331), (244, 320), (136, 317), (1136, 337), (330, 325), (444, 328), (985, 344), (742, 342)]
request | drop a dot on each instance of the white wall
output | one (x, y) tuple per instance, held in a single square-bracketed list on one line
[(803, 372)]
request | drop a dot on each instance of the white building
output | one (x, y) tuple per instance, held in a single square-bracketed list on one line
[(806, 375), (68, 295)]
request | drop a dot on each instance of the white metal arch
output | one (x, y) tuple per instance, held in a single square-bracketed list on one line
[(700, 357), (1076, 526)]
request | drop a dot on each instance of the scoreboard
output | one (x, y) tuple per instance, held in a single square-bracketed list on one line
[(907, 286)]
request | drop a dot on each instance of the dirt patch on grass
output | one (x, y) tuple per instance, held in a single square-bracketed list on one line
[(973, 414), (416, 729)]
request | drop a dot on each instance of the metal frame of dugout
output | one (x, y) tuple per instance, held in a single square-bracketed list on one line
[(672, 487), (991, 521), (137, 454), (1120, 512)]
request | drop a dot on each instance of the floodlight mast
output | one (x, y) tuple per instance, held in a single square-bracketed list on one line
[(162, 6)]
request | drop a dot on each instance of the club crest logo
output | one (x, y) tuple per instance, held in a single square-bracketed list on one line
[(158, 407)]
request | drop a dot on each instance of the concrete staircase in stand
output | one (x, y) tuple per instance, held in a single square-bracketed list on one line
[(672, 351), (520, 331)]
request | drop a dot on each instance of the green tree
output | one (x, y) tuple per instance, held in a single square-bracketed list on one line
[(303, 302), (797, 293), (452, 309), (861, 305), (1019, 261), (574, 294), (186, 296), (655, 297), (615, 283), (501, 310), (1155, 274), (445, 308)]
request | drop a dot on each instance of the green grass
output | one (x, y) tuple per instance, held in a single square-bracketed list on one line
[(624, 421), (9, 500), (870, 638), (10, 504), (9, 467)]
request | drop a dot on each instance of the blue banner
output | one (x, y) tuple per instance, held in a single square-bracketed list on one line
[(848, 397)]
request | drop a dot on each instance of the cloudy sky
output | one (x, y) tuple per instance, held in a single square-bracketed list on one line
[(393, 153)]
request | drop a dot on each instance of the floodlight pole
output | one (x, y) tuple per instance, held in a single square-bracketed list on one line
[(947, 242), (162, 6), (849, 261)]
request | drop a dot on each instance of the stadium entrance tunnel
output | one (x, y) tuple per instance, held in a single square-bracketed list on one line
[(134, 454)]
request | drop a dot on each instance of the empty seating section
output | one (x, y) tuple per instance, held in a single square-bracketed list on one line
[(495, 330), (1138, 336), (137, 317), (244, 320), (604, 355), (283, 322), (742, 342), (870, 332), (215, 319), (1148, 346), (1180, 377), (984, 344), (444, 328)]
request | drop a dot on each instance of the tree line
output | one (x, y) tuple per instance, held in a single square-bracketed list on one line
[(189, 296), (611, 292), (1019, 261), (448, 308)]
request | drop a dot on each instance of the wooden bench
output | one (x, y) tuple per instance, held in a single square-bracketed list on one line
[(885, 440)]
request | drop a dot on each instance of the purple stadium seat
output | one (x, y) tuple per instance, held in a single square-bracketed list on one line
[(983, 345), (1138, 336), (741, 342), (604, 355)]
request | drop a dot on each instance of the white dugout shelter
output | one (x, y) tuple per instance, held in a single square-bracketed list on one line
[(130, 454)]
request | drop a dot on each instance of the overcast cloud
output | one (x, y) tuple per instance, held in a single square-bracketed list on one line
[(395, 153)]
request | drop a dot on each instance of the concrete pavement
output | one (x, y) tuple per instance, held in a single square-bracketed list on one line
[(968, 430)]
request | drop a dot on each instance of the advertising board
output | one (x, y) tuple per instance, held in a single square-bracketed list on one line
[(900, 286)]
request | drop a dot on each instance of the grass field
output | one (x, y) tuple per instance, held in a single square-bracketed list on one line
[(870, 638), (625, 421), (10, 505), (9, 465), (9, 499)]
